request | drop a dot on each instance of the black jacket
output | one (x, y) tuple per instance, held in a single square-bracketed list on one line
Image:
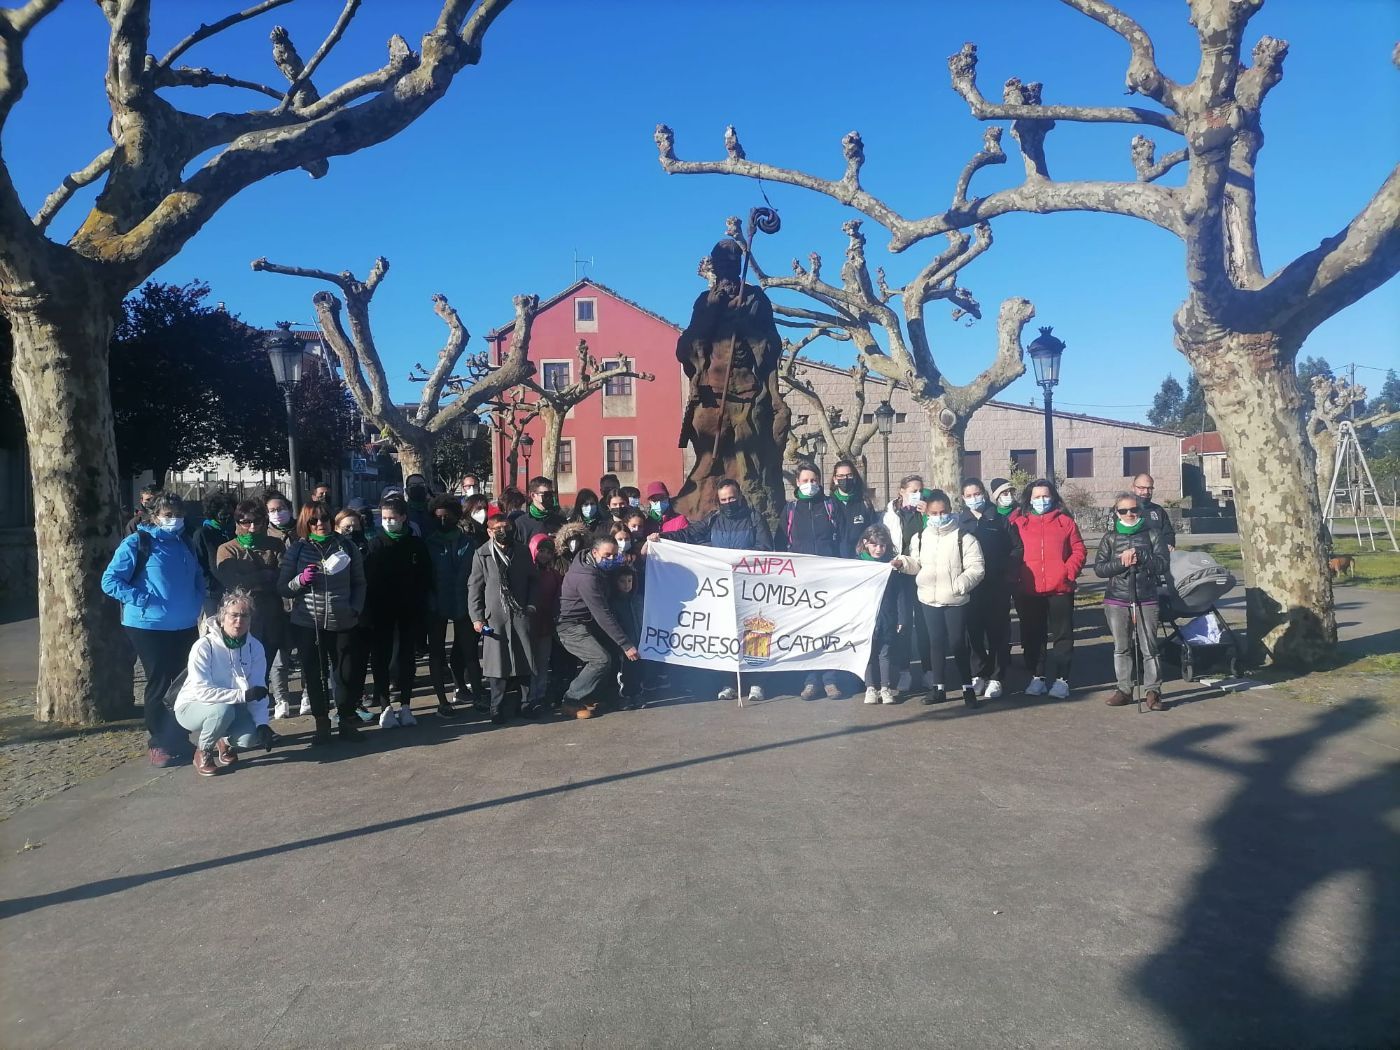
[(852, 519), (1002, 548), (896, 607), (809, 526), (398, 578), (1138, 582), (527, 525), (586, 597), (1157, 518), (716, 529)]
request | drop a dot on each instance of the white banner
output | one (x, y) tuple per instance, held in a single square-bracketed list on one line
[(758, 611)]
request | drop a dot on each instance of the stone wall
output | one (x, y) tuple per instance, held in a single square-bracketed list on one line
[(19, 568)]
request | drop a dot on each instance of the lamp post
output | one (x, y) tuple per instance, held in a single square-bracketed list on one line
[(819, 447), (526, 444), (471, 427), (884, 422), (1045, 353), (285, 353)]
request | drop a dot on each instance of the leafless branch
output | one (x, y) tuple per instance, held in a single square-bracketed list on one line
[(1145, 162), (189, 76), (457, 336), (1144, 77), (84, 176), (990, 153), (205, 31), (303, 76)]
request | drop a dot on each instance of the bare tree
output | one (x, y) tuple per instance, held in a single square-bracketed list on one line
[(414, 436), (513, 416), (1240, 327), (846, 438), (553, 405), (62, 299)]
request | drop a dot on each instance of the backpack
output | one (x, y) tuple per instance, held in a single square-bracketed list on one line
[(792, 511), (144, 545)]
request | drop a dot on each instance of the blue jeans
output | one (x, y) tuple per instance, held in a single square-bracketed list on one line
[(213, 722)]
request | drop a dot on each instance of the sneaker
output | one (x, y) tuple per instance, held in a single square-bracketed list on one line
[(161, 758), (905, 683), (406, 716), (934, 695), (888, 696), (389, 718), (225, 755), (281, 709), (872, 695), (979, 685), (993, 689), (364, 714), (461, 696), (1060, 689), (335, 718), (305, 707), (445, 710), (1036, 688), (727, 693), (833, 692), (810, 692), (969, 696), (205, 764), (755, 694)]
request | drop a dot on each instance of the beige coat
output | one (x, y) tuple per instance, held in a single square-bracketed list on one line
[(946, 564)]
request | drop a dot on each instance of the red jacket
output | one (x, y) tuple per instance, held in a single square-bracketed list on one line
[(1054, 553)]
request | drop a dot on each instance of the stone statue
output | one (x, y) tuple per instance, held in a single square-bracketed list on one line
[(735, 421)]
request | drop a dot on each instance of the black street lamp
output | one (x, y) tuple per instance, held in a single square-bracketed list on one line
[(1045, 353), (884, 422), (819, 447), (526, 444), (471, 427), (284, 351)]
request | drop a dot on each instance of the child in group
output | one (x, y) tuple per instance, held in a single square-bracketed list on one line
[(896, 609), (551, 569), (627, 607)]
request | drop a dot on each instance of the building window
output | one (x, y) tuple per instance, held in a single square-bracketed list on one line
[(1079, 463), (1224, 466), (619, 387), (1137, 459), (1026, 460), (972, 465), (564, 462), (585, 315), (621, 455), (556, 375)]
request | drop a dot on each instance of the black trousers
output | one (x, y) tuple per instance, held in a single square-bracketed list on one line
[(463, 660), (947, 636), (989, 632), (1047, 616), (163, 655), (385, 636), (913, 643), (326, 655)]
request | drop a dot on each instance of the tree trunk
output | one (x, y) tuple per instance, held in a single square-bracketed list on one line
[(1324, 447), (1253, 395), (415, 459), (60, 372), (945, 453), (550, 436)]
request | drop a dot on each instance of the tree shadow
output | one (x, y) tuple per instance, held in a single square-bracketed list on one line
[(1222, 979)]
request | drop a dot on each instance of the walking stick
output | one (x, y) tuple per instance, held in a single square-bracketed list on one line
[(1136, 619), (761, 220)]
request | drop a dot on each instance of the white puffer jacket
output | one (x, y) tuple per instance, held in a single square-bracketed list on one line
[(217, 674), (946, 564)]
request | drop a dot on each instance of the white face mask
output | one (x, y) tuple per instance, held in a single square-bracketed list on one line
[(479, 516), (470, 490), (588, 510), (1005, 499), (912, 499), (170, 524), (281, 517), (809, 488), (623, 544)]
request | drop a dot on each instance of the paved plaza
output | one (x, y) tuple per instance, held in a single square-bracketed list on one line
[(822, 874)]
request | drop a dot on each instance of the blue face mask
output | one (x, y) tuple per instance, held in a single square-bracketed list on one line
[(976, 502), (609, 564), (1040, 504), (170, 524), (940, 520), (660, 506)]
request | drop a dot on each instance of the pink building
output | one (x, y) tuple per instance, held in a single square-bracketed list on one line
[(630, 427)]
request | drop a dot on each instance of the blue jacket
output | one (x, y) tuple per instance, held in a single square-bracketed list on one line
[(170, 591)]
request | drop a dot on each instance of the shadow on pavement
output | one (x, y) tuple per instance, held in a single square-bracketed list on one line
[(1227, 977)]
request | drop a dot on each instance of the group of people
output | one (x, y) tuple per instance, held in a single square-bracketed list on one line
[(525, 610)]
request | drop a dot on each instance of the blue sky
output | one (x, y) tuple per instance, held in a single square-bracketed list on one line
[(545, 149)]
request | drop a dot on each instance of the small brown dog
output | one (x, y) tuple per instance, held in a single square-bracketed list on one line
[(1339, 565)]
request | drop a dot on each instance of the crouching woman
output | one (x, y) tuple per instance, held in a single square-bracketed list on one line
[(224, 698)]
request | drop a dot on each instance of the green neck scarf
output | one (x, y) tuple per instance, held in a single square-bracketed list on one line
[(211, 523), (537, 514), (246, 540), (1128, 530), (1004, 511), (842, 497), (233, 643), (318, 537)]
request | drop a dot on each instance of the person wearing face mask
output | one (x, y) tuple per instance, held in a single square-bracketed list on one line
[(733, 525), (324, 576), (632, 495), (281, 521), (224, 695), (638, 526), (143, 511), (281, 525), (587, 510), (628, 546), (1134, 559), (350, 524), (214, 531), (417, 494), (854, 513), (664, 519), (398, 592), (475, 511), (589, 630), (250, 562), (891, 621), (989, 611), (946, 563), (541, 513), (550, 568), (470, 486), (573, 539), (614, 507), (500, 601), (155, 576), (1153, 514), (904, 518), (1003, 496), (450, 551), (1053, 555), (809, 526)]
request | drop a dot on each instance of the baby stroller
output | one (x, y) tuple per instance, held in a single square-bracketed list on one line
[(1203, 643)]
